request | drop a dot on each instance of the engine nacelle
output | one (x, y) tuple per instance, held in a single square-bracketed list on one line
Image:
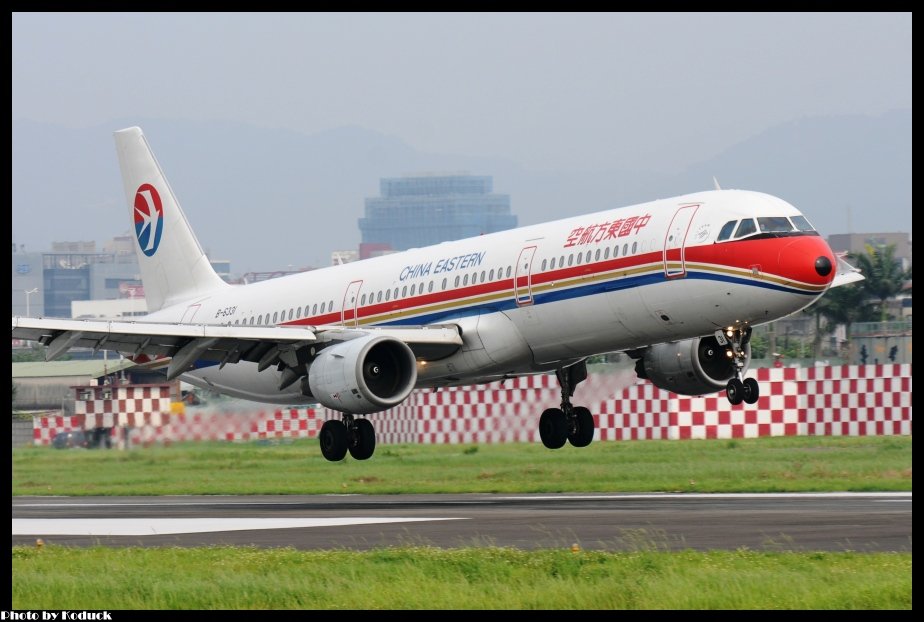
[(691, 367), (363, 375)]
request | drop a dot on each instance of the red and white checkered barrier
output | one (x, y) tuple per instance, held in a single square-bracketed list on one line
[(849, 400)]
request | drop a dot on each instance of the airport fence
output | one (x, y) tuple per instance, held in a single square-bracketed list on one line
[(843, 400)]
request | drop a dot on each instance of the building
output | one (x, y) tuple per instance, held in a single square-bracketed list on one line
[(419, 211), (48, 283), (70, 271), (48, 385), (119, 309), (856, 243)]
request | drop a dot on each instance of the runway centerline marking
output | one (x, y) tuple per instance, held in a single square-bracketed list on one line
[(166, 526)]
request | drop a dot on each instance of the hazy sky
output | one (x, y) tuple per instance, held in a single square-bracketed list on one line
[(564, 91)]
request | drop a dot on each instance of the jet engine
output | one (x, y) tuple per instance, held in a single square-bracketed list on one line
[(690, 367), (363, 375)]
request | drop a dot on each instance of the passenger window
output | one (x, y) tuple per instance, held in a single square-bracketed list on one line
[(298, 313), (491, 274), (634, 247), (251, 320), (291, 313), (587, 258), (726, 231), (606, 252), (597, 255), (625, 250), (445, 282), (378, 296), (571, 259), (482, 276), (508, 271), (465, 280), (274, 317), (362, 301), (561, 261), (579, 257), (413, 288), (395, 294), (543, 265), (387, 295), (456, 281), (615, 252), (745, 228), (314, 309), (430, 288)]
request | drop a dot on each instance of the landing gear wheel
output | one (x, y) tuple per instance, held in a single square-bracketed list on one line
[(583, 423), (751, 390), (333, 438), (735, 391), (553, 428), (362, 439)]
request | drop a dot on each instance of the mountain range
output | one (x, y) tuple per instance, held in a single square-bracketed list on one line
[(269, 199)]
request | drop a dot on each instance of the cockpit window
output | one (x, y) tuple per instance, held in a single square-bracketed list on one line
[(801, 223), (774, 224), (726, 231), (745, 228)]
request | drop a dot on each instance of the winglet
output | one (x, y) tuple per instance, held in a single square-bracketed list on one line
[(846, 273)]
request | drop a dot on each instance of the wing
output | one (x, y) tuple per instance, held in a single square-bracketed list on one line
[(846, 273), (181, 345)]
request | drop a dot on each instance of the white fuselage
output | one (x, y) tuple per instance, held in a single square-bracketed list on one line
[(539, 297)]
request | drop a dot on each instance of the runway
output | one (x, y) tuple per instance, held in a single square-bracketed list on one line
[(785, 522)]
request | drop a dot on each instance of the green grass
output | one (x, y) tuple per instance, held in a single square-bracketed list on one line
[(752, 465), (430, 578)]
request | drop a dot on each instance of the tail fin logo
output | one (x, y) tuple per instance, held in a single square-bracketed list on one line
[(149, 218)]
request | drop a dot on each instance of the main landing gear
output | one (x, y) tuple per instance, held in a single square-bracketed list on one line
[(569, 423), (738, 390), (354, 435)]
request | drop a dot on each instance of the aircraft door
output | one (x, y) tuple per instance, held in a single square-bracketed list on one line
[(522, 278), (675, 239), (190, 313), (348, 312)]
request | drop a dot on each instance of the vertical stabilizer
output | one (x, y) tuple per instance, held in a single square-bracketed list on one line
[(173, 266)]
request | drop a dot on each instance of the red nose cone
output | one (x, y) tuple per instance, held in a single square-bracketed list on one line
[(808, 260)]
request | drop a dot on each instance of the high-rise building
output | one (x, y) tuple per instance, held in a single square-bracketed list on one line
[(423, 210)]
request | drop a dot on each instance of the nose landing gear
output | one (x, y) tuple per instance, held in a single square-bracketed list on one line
[(738, 389)]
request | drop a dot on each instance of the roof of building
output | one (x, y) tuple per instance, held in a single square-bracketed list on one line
[(84, 369)]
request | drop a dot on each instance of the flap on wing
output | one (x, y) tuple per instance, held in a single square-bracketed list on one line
[(264, 345)]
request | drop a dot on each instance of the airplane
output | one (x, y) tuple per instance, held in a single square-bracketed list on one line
[(677, 284)]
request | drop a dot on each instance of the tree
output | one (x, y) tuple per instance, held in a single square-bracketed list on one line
[(884, 277), (841, 305)]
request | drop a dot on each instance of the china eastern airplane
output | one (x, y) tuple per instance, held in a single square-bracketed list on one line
[(677, 284)]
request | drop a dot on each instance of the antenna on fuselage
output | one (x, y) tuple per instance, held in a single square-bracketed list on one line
[(716, 182)]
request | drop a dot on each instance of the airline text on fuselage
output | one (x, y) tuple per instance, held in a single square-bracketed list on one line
[(447, 264)]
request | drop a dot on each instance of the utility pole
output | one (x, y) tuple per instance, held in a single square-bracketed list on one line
[(28, 293)]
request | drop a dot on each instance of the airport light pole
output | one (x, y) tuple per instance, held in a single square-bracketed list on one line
[(28, 293)]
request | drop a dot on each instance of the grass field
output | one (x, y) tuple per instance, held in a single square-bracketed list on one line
[(751, 465), (429, 578)]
